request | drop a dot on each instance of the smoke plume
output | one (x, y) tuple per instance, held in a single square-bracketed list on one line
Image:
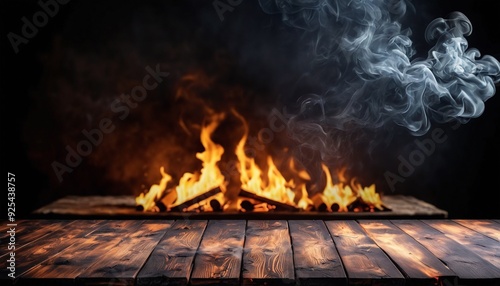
[(370, 77)]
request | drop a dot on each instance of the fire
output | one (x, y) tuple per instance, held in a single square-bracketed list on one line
[(343, 195), (210, 176), (370, 196), (155, 192), (274, 186), (264, 181), (337, 193)]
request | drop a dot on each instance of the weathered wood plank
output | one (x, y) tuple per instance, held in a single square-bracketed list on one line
[(487, 227), (63, 268), (219, 256), (121, 265), (417, 262), (35, 253), (170, 263), (469, 267), (18, 227), (482, 245), (364, 262), (31, 231), (411, 206), (268, 257), (317, 262), (4, 225)]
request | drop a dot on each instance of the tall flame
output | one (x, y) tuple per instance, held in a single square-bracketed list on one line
[(210, 175), (252, 179)]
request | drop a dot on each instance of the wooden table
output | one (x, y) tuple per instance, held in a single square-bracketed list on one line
[(253, 252)]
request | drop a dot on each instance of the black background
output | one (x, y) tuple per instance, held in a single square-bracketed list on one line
[(462, 177)]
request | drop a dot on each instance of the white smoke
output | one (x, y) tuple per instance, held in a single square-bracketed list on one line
[(370, 75)]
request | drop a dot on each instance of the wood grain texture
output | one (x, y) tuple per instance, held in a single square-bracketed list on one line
[(489, 228), (171, 261), (219, 257), (482, 245), (30, 231), (268, 257), (259, 252), (364, 262), (44, 248), (4, 225), (469, 266), (64, 268), (416, 261), (411, 206), (120, 265), (317, 262)]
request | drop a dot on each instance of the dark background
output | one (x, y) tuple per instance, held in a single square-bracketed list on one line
[(92, 51)]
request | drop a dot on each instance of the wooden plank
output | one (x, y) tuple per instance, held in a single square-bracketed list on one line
[(121, 265), (267, 257), (411, 206), (219, 257), (35, 253), (482, 245), (5, 225), (317, 262), (170, 263), (64, 268), (89, 206), (415, 261), (31, 231), (487, 227), (469, 267), (364, 262), (18, 227)]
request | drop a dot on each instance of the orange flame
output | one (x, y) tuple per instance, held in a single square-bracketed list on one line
[(210, 176), (252, 179), (337, 193), (148, 200), (271, 184)]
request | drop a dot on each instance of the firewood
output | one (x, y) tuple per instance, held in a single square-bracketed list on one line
[(180, 207), (216, 206), (279, 205), (166, 200), (247, 205), (319, 204)]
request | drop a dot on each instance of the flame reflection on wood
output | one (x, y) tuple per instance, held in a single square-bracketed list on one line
[(414, 259), (363, 259), (268, 252)]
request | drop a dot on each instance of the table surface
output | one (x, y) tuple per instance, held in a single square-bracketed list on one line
[(252, 252)]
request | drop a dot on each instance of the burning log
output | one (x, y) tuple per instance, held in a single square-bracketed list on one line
[(215, 205), (335, 207), (319, 204), (247, 205), (180, 207), (279, 205), (167, 200)]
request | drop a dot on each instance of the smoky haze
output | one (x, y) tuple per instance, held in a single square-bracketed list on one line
[(368, 75)]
